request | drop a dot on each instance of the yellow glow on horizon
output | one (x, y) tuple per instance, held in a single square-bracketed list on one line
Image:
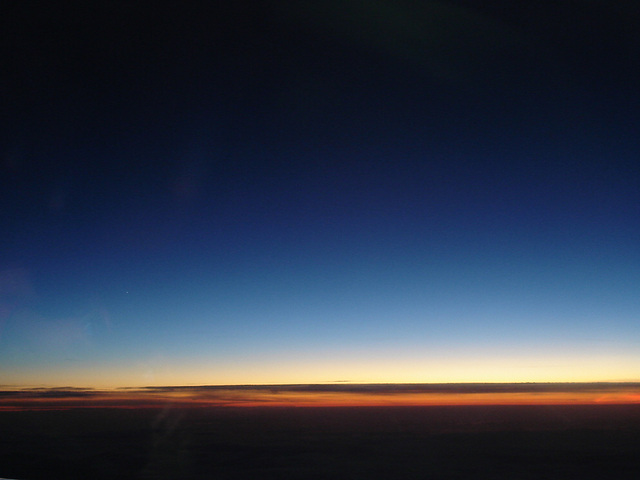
[(348, 369)]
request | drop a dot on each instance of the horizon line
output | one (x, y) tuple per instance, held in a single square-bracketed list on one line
[(331, 383), (333, 394)]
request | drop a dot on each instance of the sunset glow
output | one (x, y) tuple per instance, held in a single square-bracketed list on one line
[(339, 395)]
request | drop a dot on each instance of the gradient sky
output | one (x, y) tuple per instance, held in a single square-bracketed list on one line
[(360, 191)]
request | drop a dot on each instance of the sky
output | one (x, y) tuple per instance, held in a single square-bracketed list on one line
[(302, 192)]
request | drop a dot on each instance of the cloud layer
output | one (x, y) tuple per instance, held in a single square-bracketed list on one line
[(322, 395)]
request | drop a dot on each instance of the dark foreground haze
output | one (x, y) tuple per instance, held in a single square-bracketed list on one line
[(475, 442)]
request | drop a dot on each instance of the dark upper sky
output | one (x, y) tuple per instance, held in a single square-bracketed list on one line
[(344, 161)]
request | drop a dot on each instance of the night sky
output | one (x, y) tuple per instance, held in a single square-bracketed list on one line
[(306, 192)]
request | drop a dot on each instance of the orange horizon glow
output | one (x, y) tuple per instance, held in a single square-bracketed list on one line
[(348, 395)]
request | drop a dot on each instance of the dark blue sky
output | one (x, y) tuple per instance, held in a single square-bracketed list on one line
[(365, 191)]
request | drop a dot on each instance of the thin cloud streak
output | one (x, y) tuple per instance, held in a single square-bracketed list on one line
[(322, 395)]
